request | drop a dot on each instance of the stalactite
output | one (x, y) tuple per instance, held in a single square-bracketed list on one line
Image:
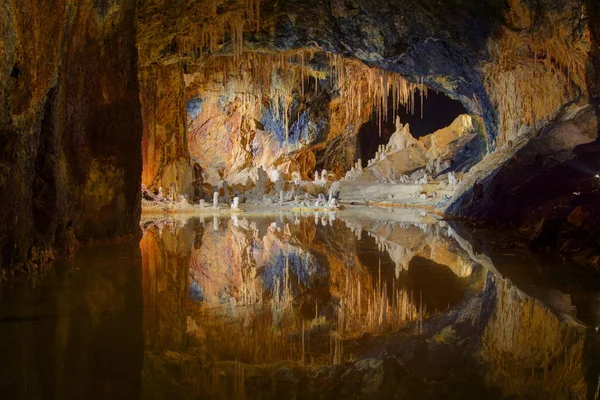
[(211, 30), (302, 74), (354, 80), (249, 79)]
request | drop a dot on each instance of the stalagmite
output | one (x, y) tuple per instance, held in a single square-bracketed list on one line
[(452, 179), (216, 200), (296, 177), (236, 203), (321, 200)]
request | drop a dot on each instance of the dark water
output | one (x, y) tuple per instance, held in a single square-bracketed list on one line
[(292, 306)]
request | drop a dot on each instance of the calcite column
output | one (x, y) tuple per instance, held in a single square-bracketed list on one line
[(165, 152)]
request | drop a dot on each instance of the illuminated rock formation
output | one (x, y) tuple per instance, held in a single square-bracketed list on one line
[(514, 72)]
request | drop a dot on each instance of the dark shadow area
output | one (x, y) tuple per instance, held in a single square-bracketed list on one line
[(439, 111), (75, 332), (370, 256), (438, 285)]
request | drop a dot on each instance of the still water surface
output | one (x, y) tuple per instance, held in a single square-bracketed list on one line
[(348, 305)]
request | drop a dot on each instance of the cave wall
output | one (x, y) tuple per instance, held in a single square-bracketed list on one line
[(512, 63), (289, 112), (546, 182), (166, 157), (518, 65), (70, 126)]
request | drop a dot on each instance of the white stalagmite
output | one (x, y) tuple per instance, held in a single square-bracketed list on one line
[(236, 203), (321, 200), (452, 179), (216, 200), (296, 177)]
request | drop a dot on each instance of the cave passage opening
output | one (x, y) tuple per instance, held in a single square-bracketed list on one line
[(435, 112)]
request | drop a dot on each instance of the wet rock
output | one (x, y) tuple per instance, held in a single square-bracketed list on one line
[(578, 216)]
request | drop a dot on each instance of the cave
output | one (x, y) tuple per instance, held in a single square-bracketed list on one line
[(267, 199)]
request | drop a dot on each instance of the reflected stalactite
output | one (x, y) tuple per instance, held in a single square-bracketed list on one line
[(261, 295), (165, 262), (277, 293)]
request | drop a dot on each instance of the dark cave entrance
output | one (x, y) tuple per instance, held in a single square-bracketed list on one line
[(440, 287), (439, 111)]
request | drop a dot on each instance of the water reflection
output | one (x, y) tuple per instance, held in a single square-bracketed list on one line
[(293, 288), (369, 304)]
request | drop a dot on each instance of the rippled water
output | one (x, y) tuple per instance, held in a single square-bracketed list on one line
[(358, 304)]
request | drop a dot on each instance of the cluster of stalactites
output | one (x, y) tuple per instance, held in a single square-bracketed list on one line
[(251, 75), (359, 84), (209, 33)]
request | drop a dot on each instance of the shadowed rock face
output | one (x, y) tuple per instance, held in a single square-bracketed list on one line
[(70, 126), (549, 186)]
